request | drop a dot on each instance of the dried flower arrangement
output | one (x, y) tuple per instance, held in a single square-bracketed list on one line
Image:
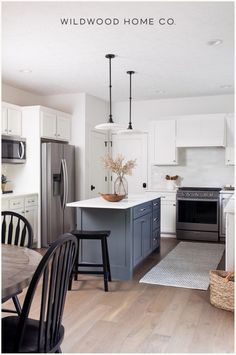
[(118, 166)]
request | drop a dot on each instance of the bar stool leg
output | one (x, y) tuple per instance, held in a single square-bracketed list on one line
[(108, 261), (104, 261), (17, 304), (77, 262)]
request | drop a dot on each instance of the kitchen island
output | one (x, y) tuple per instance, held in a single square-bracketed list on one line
[(135, 230)]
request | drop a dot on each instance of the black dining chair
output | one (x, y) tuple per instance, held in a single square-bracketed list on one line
[(43, 335), (16, 230)]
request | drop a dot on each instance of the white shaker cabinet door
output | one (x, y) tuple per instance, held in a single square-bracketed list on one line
[(162, 144), (229, 152), (14, 119), (63, 128), (4, 120), (31, 214), (48, 125), (168, 217)]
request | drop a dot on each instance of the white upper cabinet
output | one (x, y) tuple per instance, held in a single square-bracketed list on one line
[(55, 126), (163, 142), (48, 125), (11, 120), (229, 152), (201, 131), (63, 127)]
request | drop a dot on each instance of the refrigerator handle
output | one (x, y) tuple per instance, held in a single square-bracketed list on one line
[(66, 183)]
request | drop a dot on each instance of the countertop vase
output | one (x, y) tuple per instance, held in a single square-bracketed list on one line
[(121, 186)]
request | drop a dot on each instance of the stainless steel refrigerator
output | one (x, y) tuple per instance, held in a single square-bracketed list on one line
[(57, 188)]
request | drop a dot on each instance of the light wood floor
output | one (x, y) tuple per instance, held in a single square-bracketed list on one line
[(134, 318)]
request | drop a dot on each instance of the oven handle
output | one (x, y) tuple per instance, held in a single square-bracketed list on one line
[(198, 199)]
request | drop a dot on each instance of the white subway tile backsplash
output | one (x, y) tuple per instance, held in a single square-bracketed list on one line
[(197, 167)]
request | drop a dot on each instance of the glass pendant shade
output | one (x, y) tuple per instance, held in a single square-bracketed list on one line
[(108, 126)]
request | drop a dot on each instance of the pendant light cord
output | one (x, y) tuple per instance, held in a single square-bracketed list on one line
[(110, 56), (130, 97)]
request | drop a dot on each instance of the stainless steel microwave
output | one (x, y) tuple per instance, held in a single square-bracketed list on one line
[(13, 150)]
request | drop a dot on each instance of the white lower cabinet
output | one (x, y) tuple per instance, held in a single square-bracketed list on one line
[(168, 217), (26, 206), (31, 214), (168, 211)]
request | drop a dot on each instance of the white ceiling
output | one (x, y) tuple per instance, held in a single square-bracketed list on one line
[(175, 59)]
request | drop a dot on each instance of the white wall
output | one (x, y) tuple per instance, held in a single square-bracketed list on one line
[(149, 110), (197, 166), (20, 97)]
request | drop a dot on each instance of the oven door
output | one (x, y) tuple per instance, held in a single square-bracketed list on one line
[(197, 215), (13, 150)]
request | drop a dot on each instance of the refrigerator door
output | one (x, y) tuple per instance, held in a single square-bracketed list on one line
[(52, 192), (69, 163)]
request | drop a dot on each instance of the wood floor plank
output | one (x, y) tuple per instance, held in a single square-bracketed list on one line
[(141, 318), (171, 314)]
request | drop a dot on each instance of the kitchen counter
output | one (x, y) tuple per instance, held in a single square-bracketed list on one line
[(135, 230), (18, 194), (99, 202), (226, 191)]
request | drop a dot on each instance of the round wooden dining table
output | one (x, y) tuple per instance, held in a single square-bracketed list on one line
[(18, 267)]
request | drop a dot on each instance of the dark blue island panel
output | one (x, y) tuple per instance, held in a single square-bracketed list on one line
[(135, 233)]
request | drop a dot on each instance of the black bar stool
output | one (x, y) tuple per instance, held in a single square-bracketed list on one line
[(106, 272)]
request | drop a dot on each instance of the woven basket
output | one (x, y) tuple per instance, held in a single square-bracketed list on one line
[(222, 290)]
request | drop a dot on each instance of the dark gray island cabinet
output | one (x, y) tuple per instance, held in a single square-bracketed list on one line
[(135, 231)]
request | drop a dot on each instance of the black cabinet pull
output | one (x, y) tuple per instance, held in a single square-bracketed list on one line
[(144, 185), (92, 187)]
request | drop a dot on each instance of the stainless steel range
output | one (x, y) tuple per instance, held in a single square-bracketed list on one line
[(197, 213)]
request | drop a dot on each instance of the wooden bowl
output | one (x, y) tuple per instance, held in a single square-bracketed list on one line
[(112, 197)]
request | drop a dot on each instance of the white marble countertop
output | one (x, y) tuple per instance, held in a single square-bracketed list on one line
[(18, 194), (229, 208), (99, 202), (226, 191)]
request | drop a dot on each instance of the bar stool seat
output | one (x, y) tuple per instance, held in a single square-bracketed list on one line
[(106, 271)]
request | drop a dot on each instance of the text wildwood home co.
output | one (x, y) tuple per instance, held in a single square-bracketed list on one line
[(108, 21)]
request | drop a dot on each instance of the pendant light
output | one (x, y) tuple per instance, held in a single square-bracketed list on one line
[(129, 129), (110, 125)]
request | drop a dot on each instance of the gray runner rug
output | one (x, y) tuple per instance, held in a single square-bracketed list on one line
[(187, 265)]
